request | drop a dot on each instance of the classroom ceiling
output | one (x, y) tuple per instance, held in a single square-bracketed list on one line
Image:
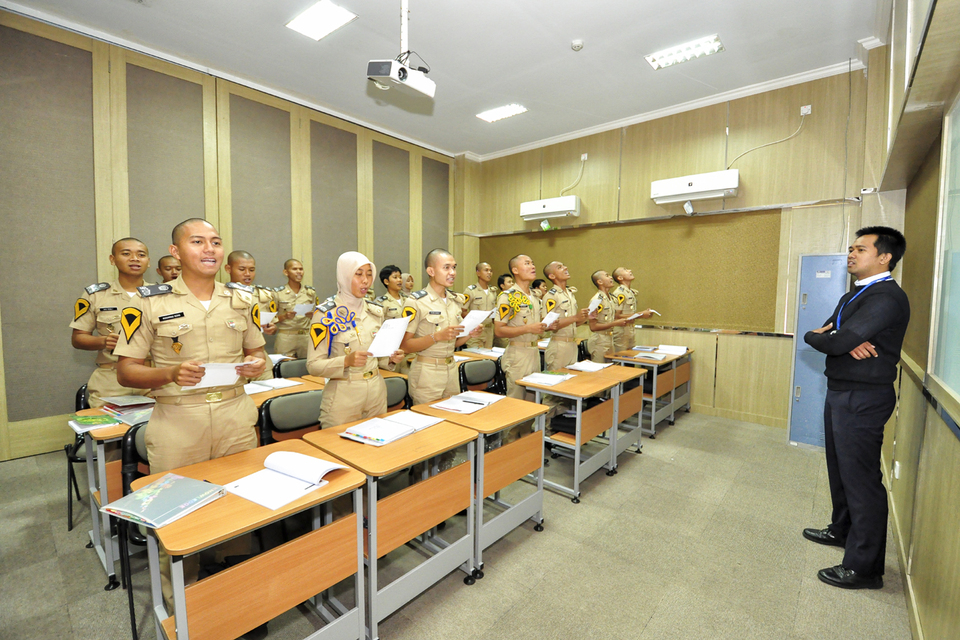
[(488, 53)]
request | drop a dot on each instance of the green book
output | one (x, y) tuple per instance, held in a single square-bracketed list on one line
[(82, 424), (161, 502)]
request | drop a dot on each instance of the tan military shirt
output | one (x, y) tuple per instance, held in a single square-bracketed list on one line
[(267, 299), (606, 311), (99, 308), (478, 299), (516, 308), (336, 332), (564, 303), (174, 327), (429, 313), (624, 300), (287, 300), (391, 307)]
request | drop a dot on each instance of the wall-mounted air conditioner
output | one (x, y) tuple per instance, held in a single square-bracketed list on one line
[(703, 186), (562, 207)]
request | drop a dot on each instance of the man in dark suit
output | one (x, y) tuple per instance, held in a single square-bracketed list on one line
[(862, 340)]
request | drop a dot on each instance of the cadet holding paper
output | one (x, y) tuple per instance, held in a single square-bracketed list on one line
[(340, 334), (292, 325)]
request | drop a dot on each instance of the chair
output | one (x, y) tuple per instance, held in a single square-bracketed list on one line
[(290, 368), (290, 416), (482, 375), (582, 352), (76, 453), (397, 393)]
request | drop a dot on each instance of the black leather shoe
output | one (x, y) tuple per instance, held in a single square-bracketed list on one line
[(824, 536), (839, 576)]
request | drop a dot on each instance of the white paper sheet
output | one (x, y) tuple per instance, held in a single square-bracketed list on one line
[(672, 350), (498, 350), (389, 337), (271, 489), (543, 343), (266, 317), (277, 383), (588, 365), (473, 320), (485, 399), (415, 421), (457, 358), (251, 388), (546, 379), (218, 374), (594, 304), (304, 309), (456, 405), (277, 357), (550, 318)]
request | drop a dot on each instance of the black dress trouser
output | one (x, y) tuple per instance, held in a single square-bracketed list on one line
[(853, 424)]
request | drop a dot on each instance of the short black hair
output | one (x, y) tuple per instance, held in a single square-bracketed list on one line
[(513, 260), (239, 254), (889, 240), (113, 248), (388, 271), (595, 276), (432, 255), (503, 278), (178, 230), (289, 262), (536, 283)]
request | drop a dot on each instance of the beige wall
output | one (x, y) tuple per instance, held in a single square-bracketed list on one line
[(235, 207)]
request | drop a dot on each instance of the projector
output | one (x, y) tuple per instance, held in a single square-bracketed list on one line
[(391, 73)]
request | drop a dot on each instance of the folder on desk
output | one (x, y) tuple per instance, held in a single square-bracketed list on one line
[(161, 502)]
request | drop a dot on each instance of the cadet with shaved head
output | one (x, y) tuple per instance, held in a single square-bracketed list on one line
[(168, 268), (292, 328), (625, 305), (481, 297), (601, 340)]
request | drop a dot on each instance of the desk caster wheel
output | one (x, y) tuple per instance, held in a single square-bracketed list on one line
[(611, 472), (653, 436), (554, 455), (546, 462), (89, 545), (113, 584), (469, 580), (477, 574), (538, 527), (670, 422), (575, 500)]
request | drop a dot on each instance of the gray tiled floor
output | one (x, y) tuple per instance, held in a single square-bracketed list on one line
[(698, 537)]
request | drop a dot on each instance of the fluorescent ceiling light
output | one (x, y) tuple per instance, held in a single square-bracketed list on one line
[(686, 51), (321, 19), (500, 113)]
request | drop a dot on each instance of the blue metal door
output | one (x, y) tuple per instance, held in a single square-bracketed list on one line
[(823, 281)]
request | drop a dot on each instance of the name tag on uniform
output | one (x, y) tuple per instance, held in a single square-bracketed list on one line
[(435, 313), (108, 308), (171, 316)]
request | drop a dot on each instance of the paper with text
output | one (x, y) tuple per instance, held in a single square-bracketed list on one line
[(389, 337)]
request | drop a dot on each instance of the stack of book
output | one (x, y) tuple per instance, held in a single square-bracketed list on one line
[(381, 431), (129, 410), (82, 424)]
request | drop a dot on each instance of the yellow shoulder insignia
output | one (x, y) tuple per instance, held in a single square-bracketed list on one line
[(255, 315), (504, 311), (621, 298), (272, 306), (317, 332), (409, 312), (551, 303), (130, 321), (600, 308), (80, 307)]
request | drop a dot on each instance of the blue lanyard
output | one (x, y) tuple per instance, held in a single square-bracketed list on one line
[(840, 313)]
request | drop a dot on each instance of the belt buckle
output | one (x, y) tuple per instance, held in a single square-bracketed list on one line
[(367, 375), (214, 396), (449, 360)]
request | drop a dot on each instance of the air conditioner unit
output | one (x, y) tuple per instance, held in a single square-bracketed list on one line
[(703, 186), (562, 207)]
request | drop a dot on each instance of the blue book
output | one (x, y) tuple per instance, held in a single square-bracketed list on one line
[(161, 502)]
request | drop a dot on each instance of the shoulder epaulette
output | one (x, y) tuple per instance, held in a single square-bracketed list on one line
[(554, 290), (326, 305), (634, 291), (240, 286), (374, 303), (416, 295), (260, 286), (382, 298), (473, 286), (154, 290), (100, 286), (279, 289), (572, 289), (309, 288)]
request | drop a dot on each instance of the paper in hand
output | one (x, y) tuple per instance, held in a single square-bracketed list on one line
[(303, 309), (266, 317), (550, 318), (594, 305), (388, 338), (473, 320), (218, 374)]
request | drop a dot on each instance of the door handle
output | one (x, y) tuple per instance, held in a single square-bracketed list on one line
[(796, 394), (803, 299)]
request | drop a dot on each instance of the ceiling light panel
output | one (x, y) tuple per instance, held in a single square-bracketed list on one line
[(500, 113), (321, 20), (686, 51)]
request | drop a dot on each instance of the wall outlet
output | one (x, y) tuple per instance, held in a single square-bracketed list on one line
[(805, 110), (583, 157)]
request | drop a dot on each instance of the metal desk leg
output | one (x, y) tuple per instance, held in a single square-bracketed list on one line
[(576, 455), (372, 558), (615, 398), (91, 488), (179, 597), (159, 608), (106, 535), (478, 507), (358, 581)]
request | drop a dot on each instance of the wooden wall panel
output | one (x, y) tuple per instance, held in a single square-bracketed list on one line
[(601, 174), (678, 145), (875, 126), (911, 416), (753, 378), (391, 206), (703, 360), (435, 188), (505, 183)]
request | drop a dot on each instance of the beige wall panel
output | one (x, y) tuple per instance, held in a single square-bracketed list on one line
[(753, 378), (467, 180), (466, 249), (47, 187), (703, 361), (601, 175), (898, 64), (679, 145), (435, 189), (809, 167), (714, 272), (875, 143), (391, 207), (164, 156), (505, 183), (40, 435), (935, 553), (911, 417), (917, 270)]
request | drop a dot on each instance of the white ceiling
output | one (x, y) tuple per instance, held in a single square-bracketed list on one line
[(486, 53)]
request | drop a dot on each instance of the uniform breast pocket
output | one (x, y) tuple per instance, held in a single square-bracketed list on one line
[(177, 337), (108, 321), (234, 328)]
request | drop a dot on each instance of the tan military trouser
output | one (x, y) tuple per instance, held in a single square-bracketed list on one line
[(429, 382), (348, 400), (484, 340), (293, 345), (624, 338), (103, 384), (557, 356), (518, 362), (599, 345)]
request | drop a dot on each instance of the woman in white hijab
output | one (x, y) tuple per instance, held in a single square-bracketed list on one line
[(407, 284), (340, 333)]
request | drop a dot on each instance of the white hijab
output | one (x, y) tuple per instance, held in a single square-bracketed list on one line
[(347, 265)]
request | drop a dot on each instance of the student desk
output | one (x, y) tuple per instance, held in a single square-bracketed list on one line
[(320, 380), (629, 403), (236, 600), (667, 376), (590, 424), (308, 385), (502, 466), (411, 513)]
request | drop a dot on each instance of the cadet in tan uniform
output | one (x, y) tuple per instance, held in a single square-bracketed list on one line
[(539, 287), (504, 282), (434, 314), (408, 284), (292, 339), (182, 325), (393, 300), (168, 268), (342, 329), (99, 309), (625, 304), (561, 299), (242, 269), (481, 297), (601, 340)]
